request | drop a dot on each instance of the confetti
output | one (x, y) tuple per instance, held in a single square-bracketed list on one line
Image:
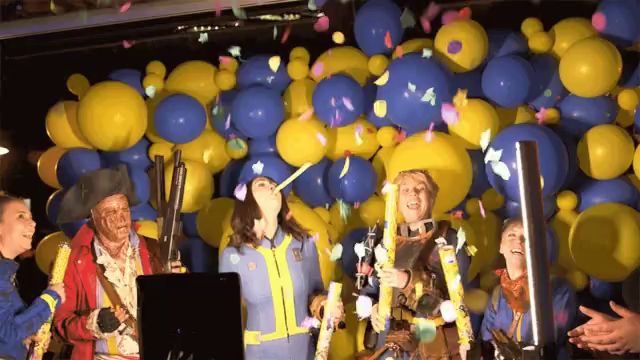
[(347, 103), (458, 214), (317, 69), (399, 51), (429, 135), (462, 239), (150, 91), (360, 250), (240, 192), (449, 17), (238, 12), (345, 210), (547, 93), (310, 322), (345, 168), (125, 7), (411, 87), (540, 115), (234, 51), (429, 96), (388, 42), (427, 53), (448, 311), (428, 15), (127, 43), (485, 138), (322, 24), (407, 19), (425, 330), (257, 168), (460, 98), (358, 134), (336, 253), (599, 21), (203, 38), (382, 80), (492, 155), (227, 122), (322, 139), (306, 115), (465, 13), (338, 37), (364, 307), (482, 212), (380, 254), (401, 136), (315, 237), (234, 258), (52, 7), (499, 168), (449, 113), (380, 108), (285, 34), (311, 5), (275, 32), (225, 60), (274, 63), (218, 8)]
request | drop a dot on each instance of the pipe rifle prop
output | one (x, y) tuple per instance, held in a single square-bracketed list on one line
[(389, 243), (171, 224), (327, 328), (161, 198), (39, 348)]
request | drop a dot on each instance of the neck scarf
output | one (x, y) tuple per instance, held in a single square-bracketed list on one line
[(515, 291)]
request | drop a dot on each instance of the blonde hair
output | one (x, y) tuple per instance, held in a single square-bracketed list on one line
[(431, 186)]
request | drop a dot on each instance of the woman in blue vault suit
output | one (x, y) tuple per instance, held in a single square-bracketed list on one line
[(508, 309), (278, 267)]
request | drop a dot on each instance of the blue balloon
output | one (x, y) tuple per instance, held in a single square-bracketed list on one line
[(221, 115), (505, 42), (135, 156), (618, 190), (189, 227), (374, 20), (70, 229), (257, 111), (470, 80), (197, 256), (53, 207), (143, 211), (76, 162), (349, 259), (622, 26), (311, 186), (549, 206), (507, 81), (338, 100), (580, 114), (370, 96), (552, 155), (257, 71), (180, 118), (479, 184), (141, 184), (263, 146), (636, 119), (412, 79), (131, 77), (269, 166), (547, 88), (229, 178), (571, 145), (357, 185)]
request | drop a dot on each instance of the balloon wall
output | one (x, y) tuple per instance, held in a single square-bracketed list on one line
[(454, 102)]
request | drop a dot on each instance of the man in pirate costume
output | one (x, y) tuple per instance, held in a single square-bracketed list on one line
[(106, 257), (418, 279)]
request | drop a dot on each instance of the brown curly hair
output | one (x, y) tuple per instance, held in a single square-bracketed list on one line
[(244, 214)]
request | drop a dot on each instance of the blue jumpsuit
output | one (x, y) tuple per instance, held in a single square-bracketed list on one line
[(499, 315), (277, 279)]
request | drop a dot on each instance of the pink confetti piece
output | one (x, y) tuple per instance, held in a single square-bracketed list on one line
[(429, 135), (540, 115), (426, 24), (322, 24), (561, 317), (225, 60), (599, 21), (289, 215), (356, 205), (333, 102), (322, 139), (458, 214), (240, 192), (227, 122), (388, 42), (428, 15), (449, 17), (310, 322), (317, 69), (401, 136), (285, 34), (465, 13), (315, 237), (128, 43), (125, 7), (347, 103), (359, 131), (399, 51), (483, 213), (306, 115), (218, 8), (449, 113)]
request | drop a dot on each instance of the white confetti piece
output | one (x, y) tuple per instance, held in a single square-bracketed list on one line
[(429, 96), (411, 87), (381, 254), (150, 91), (427, 53), (336, 253), (448, 311), (364, 307), (499, 168), (485, 138), (492, 155), (462, 239), (257, 168), (360, 250), (234, 258), (407, 19), (235, 51), (204, 37)]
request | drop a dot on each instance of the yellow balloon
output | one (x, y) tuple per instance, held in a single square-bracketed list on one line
[(561, 224), (112, 116), (447, 161), (625, 118), (476, 300), (628, 99), (636, 162), (209, 149), (195, 78), (213, 219), (62, 125), (47, 250), (153, 80), (462, 45), (634, 180), (488, 280), (78, 85), (298, 69), (519, 115), (317, 227), (372, 211), (301, 141), (487, 238), (540, 42), (605, 241), (387, 136), (349, 138), (413, 45), (531, 26), (148, 229), (605, 152), (163, 149), (341, 225), (297, 97), (198, 186), (156, 67), (591, 67), (381, 164), (378, 64), (567, 32), (492, 199), (237, 148), (474, 118), (299, 53), (225, 80), (341, 59), (48, 165)]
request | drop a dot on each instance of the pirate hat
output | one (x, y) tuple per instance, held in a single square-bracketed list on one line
[(92, 188)]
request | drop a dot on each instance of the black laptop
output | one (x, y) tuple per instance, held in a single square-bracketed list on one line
[(190, 317)]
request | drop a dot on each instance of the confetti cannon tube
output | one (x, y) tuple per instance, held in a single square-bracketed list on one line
[(327, 328), (456, 293), (37, 350), (389, 244)]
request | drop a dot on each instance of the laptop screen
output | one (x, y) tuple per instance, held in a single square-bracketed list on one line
[(190, 317)]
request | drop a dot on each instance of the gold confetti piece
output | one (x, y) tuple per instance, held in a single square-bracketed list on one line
[(382, 80), (471, 250), (338, 37), (460, 99), (345, 168), (380, 108), (274, 63), (52, 7)]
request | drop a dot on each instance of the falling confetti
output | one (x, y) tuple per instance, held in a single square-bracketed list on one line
[(52, 7), (322, 24), (274, 63), (485, 138), (358, 134), (285, 34), (125, 7), (227, 122), (411, 87), (401, 136), (388, 42), (407, 19), (336, 253), (462, 239), (240, 192), (315, 237), (449, 113), (482, 212), (380, 108), (380, 254), (275, 32), (311, 5), (345, 210), (427, 53), (429, 96), (322, 139), (234, 51), (128, 43), (499, 168), (338, 37), (465, 13), (540, 115), (460, 98), (225, 60), (218, 8), (492, 155), (317, 69), (257, 167), (599, 21), (425, 330), (150, 91), (364, 307), (238, 12), (382, 80), (399, 51), (306, 115), (345, 168), (310, 322), (458, 214), (547, 93), (429, 135), (347, 103), (429, 14), (204, 37)]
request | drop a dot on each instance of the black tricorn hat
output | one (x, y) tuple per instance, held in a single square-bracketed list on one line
[(92, 188)]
